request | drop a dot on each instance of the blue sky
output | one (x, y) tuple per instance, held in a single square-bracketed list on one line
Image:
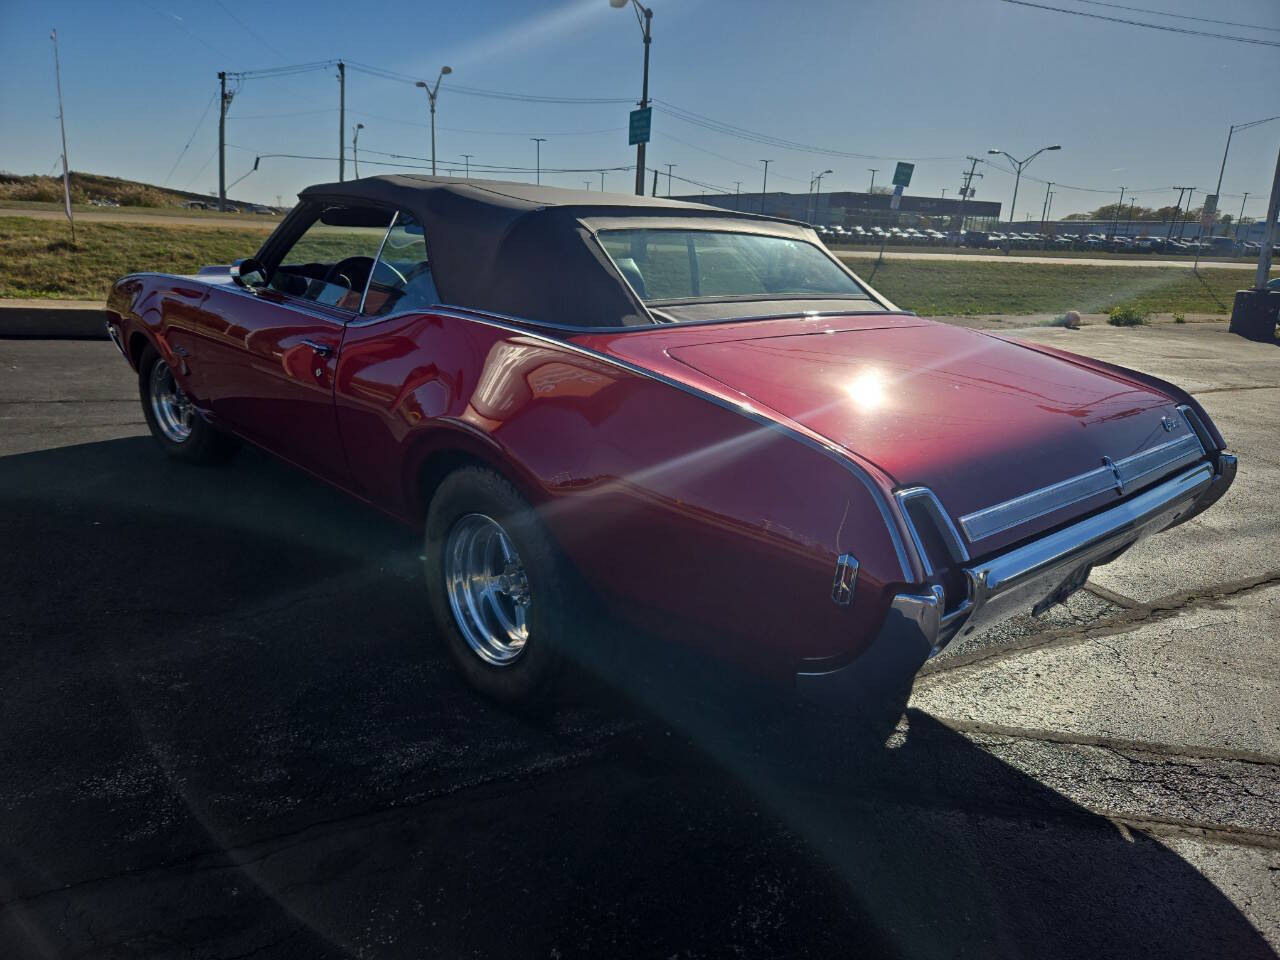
[(897, 79)]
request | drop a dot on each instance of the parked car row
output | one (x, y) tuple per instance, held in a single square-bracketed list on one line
[(1029, 240)]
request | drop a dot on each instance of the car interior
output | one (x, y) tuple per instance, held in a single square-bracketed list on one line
[(352, 255)]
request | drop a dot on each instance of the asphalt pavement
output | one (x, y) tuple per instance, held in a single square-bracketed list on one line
[(225, 731)]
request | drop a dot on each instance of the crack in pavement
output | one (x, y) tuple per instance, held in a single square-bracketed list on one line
[(1118, 744), (1259, 386), (1144, 613)]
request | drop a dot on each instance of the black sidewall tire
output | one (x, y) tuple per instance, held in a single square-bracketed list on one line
[(205, 445), (533, 679)]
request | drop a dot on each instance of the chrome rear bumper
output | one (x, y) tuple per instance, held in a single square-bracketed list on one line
[(1036, 574)]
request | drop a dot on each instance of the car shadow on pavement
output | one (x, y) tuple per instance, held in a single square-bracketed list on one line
[(224, 729)]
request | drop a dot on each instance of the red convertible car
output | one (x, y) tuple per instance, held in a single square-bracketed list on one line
[(697, 416)]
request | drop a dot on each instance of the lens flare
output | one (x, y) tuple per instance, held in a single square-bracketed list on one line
[(866, 390)]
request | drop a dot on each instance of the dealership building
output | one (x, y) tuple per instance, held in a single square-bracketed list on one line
[(846, 209)]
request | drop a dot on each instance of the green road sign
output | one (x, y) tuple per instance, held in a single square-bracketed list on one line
[(902, 174), (640, 123)]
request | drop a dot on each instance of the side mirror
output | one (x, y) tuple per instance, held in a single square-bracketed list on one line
[(249, 273)]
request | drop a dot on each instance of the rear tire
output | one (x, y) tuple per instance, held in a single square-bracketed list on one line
[(500, 593), (176, 425)]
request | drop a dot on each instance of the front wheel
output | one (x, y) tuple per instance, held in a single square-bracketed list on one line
[(174, 422), (499, 590)]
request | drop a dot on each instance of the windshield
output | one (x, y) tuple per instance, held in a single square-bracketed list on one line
[(673, 266)]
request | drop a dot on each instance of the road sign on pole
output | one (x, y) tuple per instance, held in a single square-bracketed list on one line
[(902, 174), (896, 198), (640, 125), (1209, 212)]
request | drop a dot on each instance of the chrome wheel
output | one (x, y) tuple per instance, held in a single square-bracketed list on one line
[(488, 589), (173, 411)]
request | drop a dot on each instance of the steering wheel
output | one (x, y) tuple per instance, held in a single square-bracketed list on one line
[(342, 271)]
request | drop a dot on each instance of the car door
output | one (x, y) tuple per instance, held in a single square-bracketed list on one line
[(269, 376)]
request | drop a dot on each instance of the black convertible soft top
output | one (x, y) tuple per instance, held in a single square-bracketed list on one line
[(530, 251)]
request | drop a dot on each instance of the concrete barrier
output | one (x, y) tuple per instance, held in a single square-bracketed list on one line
[(52, 320)]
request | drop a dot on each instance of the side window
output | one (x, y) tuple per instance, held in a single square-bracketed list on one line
[(402, 278), (332, 260)]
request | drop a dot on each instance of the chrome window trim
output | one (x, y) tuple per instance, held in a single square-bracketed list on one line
[(1122, 476), (395, 215)]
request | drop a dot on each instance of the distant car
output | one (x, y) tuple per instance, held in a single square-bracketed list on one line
[(786, 471)]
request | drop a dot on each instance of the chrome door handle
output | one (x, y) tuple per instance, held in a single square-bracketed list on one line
[(321, 348)]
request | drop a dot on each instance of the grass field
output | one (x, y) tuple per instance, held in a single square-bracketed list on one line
[(959, 288), (37, 261)]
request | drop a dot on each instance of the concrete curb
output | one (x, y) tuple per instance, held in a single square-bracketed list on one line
[(54, 321)]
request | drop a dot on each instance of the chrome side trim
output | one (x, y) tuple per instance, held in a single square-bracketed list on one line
[(1122, 476), (941, 520), (114, 333)]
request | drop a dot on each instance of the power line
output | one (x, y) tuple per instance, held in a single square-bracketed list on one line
[(480, 91), (208, 107), (742, 133), (1179, 16), (1150, 26)]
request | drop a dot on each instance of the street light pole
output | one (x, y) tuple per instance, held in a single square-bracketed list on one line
[(645, 18), (539, 141), (737, 193), (874, 171), (432, 91), (764, 186), (467, 160), (355, 148), (1018, 165), (817, 193)]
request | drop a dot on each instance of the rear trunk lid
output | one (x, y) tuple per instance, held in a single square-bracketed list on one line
[(977, 419)]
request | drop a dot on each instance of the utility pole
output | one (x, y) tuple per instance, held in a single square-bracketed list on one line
[(602, 181), (467, 157), (1191, 192), (965, 191), (1269, 238), (1044, 213), (764, 187), (539, 141), (874, 171), (355, 148), (62, 124), (1241, 217), (737, 193), (342, 120), (1115, 221), (669, 167), (655, 183), (224, 101), (1177, 211)]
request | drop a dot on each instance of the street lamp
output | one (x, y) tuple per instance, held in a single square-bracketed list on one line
[(764, 186), (539, 141), (355, 148), (1018, 165), (431, 95), (815, 186), (644, 16)]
